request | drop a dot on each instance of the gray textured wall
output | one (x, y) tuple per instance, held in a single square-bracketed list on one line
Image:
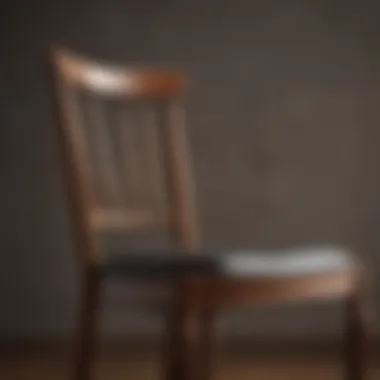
[(283, 119)]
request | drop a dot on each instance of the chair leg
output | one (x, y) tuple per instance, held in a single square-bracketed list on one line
[(357, 337), (189, 342), (175, 348), (179, 360), (197, 345), (174, 365), (87, 326), (204, 349)]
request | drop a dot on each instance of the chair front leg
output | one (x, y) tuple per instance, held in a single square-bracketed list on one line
[(86, 336), (190, 333), (205, 345), (357, 318)]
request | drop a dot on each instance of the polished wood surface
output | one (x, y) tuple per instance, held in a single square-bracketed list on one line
[(112, 79)]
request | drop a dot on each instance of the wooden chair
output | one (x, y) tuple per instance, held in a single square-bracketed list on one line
[(128, 170)]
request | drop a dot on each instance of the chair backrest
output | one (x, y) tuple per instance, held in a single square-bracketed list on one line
[(123, 140)]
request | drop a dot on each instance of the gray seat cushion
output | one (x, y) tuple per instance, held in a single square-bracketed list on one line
[(247, 263)]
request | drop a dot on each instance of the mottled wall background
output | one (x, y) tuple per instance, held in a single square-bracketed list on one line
[(283, 118)]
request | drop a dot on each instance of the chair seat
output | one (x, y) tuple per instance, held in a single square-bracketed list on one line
[(247, 263), (287, 263)]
